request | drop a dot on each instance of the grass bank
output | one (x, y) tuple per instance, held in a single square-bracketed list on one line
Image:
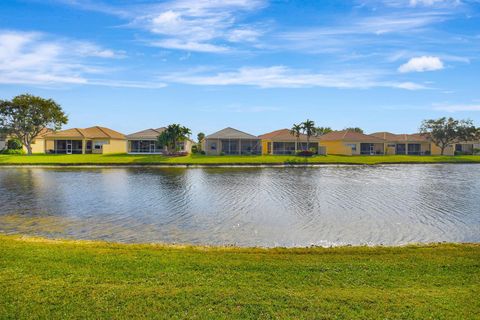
[(69, 279), (125, 159)]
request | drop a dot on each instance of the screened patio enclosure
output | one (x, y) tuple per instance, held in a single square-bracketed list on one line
[(292, 147), (71, 147), (240, 146), (372, 148), (144, 146)]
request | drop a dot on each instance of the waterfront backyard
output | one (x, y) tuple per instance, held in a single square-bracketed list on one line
[(71, 279), (198, 159), (359, 242)]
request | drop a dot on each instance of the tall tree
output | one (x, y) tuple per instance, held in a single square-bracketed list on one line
[(25, 116), (296, 130), (354, 129), (444, 132), (320, 131), (172, 135), (200, 137), (308, 128)]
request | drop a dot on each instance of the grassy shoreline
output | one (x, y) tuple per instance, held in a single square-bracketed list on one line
[(202, 160), (87, 279)]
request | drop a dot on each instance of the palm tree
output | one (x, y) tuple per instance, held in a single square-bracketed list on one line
[(309, 129), (173, 134), (296, 131)]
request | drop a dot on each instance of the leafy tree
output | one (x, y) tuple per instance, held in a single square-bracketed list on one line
[(320, 131), (296, 130), (172, 135), (25, 116), (200, 137), (354, 129), (444, 132), (308, 128)]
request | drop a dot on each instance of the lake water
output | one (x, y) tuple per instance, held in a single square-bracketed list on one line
[(330, 205)]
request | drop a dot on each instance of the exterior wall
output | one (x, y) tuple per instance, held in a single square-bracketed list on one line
[(114, 146), (49, 145), (449, 151), (339, 147), (37, 147), (3, 144), (265, 143), (188, 146), (208, 143)]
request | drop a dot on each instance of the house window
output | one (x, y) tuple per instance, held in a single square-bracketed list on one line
[(352, 146), (213, 146), (97, 145)]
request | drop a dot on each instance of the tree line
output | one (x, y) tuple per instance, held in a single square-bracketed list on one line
[(25, 116)]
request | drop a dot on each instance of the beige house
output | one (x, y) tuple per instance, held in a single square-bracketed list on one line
[(38, 144), (97, 140), (347, 142), (404, 144), (283, 142), (231, 141), (146, 142), (411, 144)]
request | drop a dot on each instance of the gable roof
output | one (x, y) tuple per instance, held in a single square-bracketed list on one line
[(88, 133), (349, 135), (285, 135), (231, 133), (146, 134), (391, 137)]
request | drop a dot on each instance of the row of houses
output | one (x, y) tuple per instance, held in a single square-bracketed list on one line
[(230, 141)]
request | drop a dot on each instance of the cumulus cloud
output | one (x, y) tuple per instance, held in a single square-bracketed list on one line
[(198, 25), (421, 64)]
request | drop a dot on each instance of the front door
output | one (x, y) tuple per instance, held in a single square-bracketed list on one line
[(69, 147), (152, 147), (372, 149)]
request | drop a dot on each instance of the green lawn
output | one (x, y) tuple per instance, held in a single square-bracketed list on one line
[(70, 279), (211, 160)]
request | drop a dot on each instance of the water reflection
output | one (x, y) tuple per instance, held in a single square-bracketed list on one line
[(246, 206)]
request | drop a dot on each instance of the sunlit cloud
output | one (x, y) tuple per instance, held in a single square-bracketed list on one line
[(422, 64)]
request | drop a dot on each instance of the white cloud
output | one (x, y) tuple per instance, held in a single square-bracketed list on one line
[(198, 25), (283, 77), (421, 64), (458, 107), (34, 58)]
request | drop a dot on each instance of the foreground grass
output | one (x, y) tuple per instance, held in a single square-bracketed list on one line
[(67, 279), (118, 159)]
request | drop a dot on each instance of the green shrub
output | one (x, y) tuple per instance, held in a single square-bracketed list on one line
[(194, 148), (13, 151), (14, 144), (222, 153), (202, 152)]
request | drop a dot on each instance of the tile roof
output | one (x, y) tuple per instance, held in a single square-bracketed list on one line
[(231, 133), (88, 133), (146, 134), (348, 135), (391, 137), (285, 135)]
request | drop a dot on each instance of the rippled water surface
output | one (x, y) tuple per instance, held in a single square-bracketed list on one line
[(246, 206)]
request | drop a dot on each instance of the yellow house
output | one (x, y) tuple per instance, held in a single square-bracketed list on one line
[(347, 142), (283, 142), (98, 140), (38, 144)]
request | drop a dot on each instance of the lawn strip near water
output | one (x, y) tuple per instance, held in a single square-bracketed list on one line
[(125, 159), (42, 278)]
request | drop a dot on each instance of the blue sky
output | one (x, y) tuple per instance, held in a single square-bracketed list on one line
[(255, 65)]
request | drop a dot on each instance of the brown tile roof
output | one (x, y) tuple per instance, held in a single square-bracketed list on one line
[(88, 133), (146, 134), (285, 135), (231, 133), (391, 137), (348, 135)]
